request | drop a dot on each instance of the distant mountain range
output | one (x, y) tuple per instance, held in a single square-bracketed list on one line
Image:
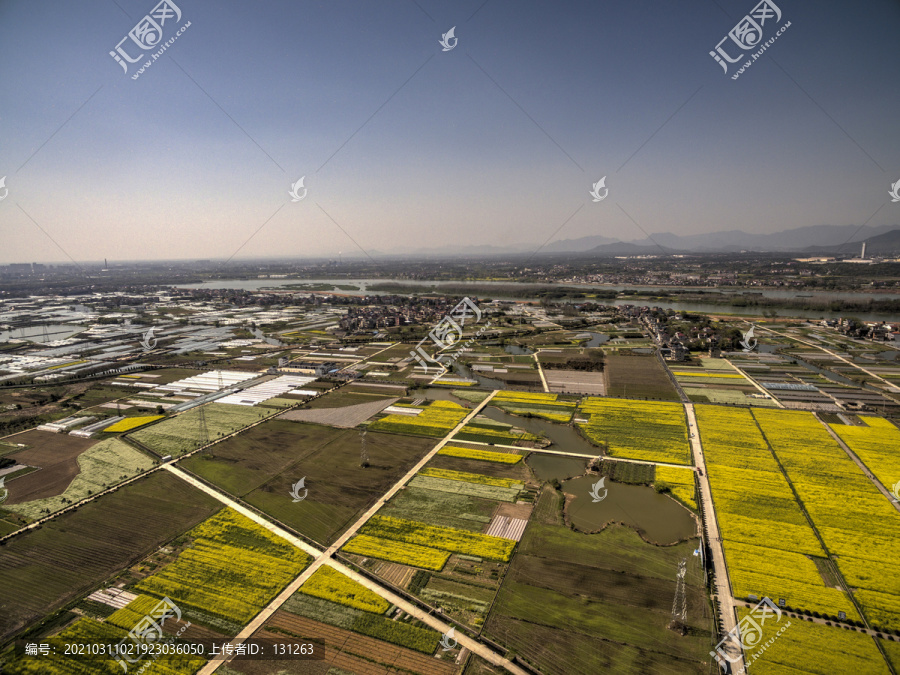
[(814, 239)]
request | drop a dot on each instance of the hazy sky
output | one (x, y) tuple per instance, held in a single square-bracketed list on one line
[(404, 145)]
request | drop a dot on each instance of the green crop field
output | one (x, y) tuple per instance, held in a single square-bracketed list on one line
[(440, 508), (262, 463), (638, 377), (423, 640), (178, 435), (43, 569), (610, 590)]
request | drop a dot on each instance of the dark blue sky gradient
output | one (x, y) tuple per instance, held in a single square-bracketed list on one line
[(190, 163)]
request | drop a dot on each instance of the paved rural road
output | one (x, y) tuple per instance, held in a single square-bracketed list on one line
[(320, 558), (755, 384), (723, 584), (541, 371)]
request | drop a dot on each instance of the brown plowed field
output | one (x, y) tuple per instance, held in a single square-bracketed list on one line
[(56, 455), (338, 641)]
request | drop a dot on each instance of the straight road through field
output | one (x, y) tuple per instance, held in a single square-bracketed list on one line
[(723, 584), (755, 383), (540, 370), (325, 558)]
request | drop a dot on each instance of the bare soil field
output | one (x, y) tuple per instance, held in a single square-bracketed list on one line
[(386, 656), (638, 377), (346, 417), (578, 381), (56, 455), (342, 398)]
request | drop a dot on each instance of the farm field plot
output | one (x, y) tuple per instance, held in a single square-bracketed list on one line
[(483, 455), (178, 435), (55, 454), (85, 631), (440, 508), (262, 463), (349, 652), (646, 430), (759, 518), (46, 568), (447, 539), (130, 423), (734, 396), (467, 477), (330, 584), (547, 406), (345, 417), (505, 494), (245, 462), (435, 420), (876, 445), (482, 429), (576, 381), (339, 488), (681, 483), (805, 647), (100, 466), (860, 530), (638, 377), (423, 640), (611, 591), (232, 569), (397, 551)]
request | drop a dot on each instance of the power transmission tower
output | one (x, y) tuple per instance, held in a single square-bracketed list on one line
[(679, 604), (363, 452)]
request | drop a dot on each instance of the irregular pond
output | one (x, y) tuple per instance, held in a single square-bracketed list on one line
[(548, 467), (657, 517)]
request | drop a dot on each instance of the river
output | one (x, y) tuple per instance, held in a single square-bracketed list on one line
[(698, 307)]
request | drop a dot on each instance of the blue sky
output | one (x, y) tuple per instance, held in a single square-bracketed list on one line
[(404, 145)]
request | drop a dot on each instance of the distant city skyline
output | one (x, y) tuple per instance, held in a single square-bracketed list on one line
[(401, 144)]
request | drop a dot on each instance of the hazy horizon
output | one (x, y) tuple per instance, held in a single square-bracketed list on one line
[(496, 141)]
